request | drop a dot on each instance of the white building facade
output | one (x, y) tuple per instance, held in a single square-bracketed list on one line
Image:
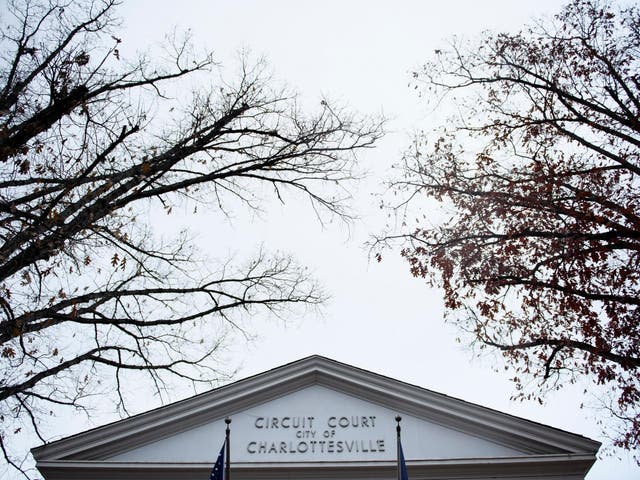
[(320, 419)]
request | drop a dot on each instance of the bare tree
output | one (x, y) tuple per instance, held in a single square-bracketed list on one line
[(90, 297), (538, 252)]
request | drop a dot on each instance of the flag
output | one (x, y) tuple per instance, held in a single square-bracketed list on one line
[(402, 467), (218, 469)]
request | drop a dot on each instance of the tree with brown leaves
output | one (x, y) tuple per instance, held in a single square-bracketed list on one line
[(539, 250)]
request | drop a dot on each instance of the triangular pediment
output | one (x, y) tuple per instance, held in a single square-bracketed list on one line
[(317, 424), (315, 412)]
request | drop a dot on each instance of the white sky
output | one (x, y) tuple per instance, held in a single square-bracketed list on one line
[(379, 317)]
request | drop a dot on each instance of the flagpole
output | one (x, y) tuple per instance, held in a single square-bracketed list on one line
[(398, 447), (228, 450)]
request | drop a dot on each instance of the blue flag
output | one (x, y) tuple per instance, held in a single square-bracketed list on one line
[(218, 469), (403, 466)]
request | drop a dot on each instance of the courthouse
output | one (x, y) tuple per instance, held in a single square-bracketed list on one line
[(320, 419)]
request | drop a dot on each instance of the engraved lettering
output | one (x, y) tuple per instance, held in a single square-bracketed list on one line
[(342, 435)]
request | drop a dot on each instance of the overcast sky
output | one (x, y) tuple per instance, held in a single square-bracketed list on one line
[(379, 318)]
